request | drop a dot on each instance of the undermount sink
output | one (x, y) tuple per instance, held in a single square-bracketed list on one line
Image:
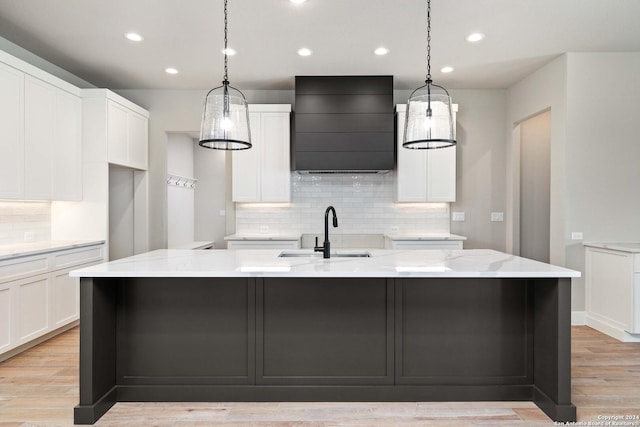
[(336, 254)]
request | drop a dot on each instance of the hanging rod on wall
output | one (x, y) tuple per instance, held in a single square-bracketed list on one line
[(181, 181)]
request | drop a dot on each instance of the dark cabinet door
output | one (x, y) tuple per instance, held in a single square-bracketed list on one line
[(200, 331), (334, 331), (463, 332)]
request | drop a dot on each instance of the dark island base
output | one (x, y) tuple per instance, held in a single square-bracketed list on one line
[(324, 339)]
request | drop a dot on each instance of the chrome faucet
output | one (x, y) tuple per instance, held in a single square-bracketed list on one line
[(326, 246)]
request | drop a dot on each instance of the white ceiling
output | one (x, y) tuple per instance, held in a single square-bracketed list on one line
[(86, 37)]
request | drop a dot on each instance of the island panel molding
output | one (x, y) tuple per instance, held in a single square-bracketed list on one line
[(275, 336)]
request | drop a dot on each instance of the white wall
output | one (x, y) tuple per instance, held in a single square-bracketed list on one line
[(603, 150), (594, 150), (481, 156), (180, 199), (535, 186), (177, 111), (211, 195), (481, 165)]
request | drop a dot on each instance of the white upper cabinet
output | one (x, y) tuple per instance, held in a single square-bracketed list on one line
[(40, 121), (40, 134), (67, 154), (117, 125), (127, 131), (11, 133), (263, 172), (424, 175)]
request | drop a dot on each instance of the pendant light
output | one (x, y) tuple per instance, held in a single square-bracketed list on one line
[(225, 119), (429, 122)]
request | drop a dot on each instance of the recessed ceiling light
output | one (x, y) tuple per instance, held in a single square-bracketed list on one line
[(134, 37), (474, 37), (171, 70), (304, 52), (297, 1), (381, 51), (446, 69), (229, 51)]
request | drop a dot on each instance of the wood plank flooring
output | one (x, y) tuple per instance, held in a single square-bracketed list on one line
[(40, 388)]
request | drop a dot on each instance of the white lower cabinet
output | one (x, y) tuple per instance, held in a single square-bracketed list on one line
[(65, 298), (612, 279), (6, 296), (37, 296), (32, 307)]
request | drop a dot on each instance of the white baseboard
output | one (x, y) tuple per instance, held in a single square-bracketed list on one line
[(26, 346), (610, 328), (578, 318)]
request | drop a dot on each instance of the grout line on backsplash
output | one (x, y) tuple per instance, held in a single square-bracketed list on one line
[(364, 204)]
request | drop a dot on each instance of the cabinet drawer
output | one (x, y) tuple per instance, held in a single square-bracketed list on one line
[(23, 267), (77, 256)]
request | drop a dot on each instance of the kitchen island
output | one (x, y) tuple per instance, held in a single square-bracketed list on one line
[(250, 325)]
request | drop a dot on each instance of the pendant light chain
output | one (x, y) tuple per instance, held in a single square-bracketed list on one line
[(225, 117), (428, 40), (226, 68), (429, 120)]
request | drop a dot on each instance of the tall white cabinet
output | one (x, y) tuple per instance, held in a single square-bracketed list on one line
[(263, 172), (424, 175), (114, 205), (40, 134)]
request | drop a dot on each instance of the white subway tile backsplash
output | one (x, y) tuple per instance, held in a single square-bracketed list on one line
[(18, 218), (364, 204)]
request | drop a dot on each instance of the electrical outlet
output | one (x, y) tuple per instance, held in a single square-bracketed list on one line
[(222, 212), (264, 228), (497, 216), (394, 229), (29, 236), (457, 216), (576, 235)]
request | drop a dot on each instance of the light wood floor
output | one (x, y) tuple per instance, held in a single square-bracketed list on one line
[(40, 388)]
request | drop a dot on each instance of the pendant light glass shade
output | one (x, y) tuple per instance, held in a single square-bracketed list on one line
[(429, 122), (225, 117), (225, 120)]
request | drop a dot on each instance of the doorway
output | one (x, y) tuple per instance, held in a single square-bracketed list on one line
[(535, 184), (196, 192)]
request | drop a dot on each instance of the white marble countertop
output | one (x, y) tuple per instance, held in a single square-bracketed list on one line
[(196, 245), (279, 237), (424, 236), (632, 247), (34, 248), (382, 263)]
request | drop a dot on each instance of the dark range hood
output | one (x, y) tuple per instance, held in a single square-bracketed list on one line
[(343, 124)]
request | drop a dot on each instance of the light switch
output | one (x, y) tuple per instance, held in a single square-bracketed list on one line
[(457, 216), (497, 216), (222, 212)]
